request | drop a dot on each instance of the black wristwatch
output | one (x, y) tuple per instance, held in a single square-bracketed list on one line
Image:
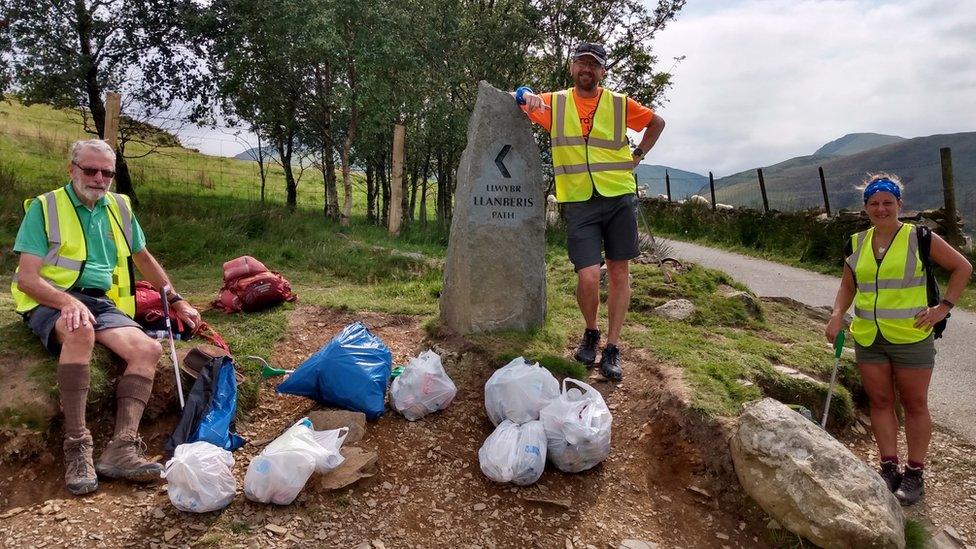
[(638, 152), (173, 298), (948, 304)]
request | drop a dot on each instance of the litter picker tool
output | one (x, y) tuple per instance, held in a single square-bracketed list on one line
[(268, 370), (172, 346), (838, 349)]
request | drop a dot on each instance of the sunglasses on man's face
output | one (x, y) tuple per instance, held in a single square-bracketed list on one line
[(90, 172)]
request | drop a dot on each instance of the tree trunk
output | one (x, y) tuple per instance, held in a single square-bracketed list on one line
[(385, 181), (441, 189), (323, 86), (264, 175), (423, 193), (370, 194), (350, 132), (413, 193), (284, 153)]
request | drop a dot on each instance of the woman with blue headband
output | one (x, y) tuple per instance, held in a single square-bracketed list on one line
[(886, 281)]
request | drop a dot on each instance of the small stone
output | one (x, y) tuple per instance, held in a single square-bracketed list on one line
[(722, 536), (387, 486), (378, 544), (275, 529), (569, 543), (158, 513), (636, 544), (480, 507), (954, 534), (773, 525), (168, 535), (371, 503)]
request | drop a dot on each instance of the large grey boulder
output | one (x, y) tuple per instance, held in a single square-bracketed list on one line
[(495, 272), (810, 483)]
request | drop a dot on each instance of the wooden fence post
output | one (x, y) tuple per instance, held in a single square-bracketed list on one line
[(823, 187), (762, 189), (396, 185), (711, 185), (667, 184), (113, 109), (953, 236)]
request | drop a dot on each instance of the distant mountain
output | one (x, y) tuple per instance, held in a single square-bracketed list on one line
[(854, 143), (795, 183), (252, 154), (683, 183)]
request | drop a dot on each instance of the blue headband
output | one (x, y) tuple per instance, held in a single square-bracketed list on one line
[(881, 185)]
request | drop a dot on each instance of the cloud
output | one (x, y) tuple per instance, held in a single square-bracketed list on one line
[(766, 80)]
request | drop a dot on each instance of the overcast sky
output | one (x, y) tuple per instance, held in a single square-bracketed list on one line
[(767, 80)]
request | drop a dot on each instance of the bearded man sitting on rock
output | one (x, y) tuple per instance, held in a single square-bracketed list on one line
[(74, 287)]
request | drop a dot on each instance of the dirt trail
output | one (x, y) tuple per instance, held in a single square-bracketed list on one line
[(429, 490)]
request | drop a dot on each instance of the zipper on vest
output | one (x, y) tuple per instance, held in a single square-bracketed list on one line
[(877, 275), (586, 146)]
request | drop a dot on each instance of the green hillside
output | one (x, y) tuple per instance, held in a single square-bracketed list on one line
[(683, 183), (854, 143), (795, 184)]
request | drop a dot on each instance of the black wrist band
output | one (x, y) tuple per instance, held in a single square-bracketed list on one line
[(173, 298), (948, 304)]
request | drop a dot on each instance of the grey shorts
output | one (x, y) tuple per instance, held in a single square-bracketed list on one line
[(43, 318), (601, 224), (899, 355)]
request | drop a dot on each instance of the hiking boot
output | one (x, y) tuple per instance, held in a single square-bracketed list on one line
[(912, 487), (891, 475), (79, 472), (124, 457), (586, 352), (610, 363)]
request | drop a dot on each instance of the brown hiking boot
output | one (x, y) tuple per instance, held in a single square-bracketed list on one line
[(124, 457), (79, 472)]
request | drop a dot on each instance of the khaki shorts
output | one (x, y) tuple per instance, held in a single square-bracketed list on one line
[(903, 355)]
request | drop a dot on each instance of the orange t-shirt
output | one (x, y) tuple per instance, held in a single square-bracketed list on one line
[(638, 116)]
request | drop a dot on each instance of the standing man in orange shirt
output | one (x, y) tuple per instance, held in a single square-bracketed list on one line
[(593, 165)]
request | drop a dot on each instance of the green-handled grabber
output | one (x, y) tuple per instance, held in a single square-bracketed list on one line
[(838, 350)]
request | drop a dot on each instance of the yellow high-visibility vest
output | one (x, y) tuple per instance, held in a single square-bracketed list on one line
[(891, 293), (67, 251), (602, 160)]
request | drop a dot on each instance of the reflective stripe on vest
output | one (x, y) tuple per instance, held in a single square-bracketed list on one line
[(602, 160), (891, 293), (67, 250)]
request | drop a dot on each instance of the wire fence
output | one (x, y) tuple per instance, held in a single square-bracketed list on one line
[(35, 145)]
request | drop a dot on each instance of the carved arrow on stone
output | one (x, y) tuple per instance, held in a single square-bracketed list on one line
[(500, 164)]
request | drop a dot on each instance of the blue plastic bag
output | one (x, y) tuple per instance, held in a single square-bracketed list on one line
[(216, 425), (350, 372), (210, 409)]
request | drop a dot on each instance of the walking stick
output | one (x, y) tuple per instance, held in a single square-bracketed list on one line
[(172, 345)]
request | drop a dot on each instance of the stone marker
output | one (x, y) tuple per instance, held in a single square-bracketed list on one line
[(810, 483), (495, 273)]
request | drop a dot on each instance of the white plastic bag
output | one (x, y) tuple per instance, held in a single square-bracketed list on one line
[(281, 470), (577, 427), (199, 477), (514, 453), (422, 388), (518, 390)]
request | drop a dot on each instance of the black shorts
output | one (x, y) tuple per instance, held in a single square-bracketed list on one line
[(42, 319), (599, 224)]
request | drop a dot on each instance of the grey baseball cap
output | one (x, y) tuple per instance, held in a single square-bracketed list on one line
[(596, 51)]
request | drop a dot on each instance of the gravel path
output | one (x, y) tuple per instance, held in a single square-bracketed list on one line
[(952, 397)]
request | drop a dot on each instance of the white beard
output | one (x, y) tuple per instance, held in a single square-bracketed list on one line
[(87, 196)]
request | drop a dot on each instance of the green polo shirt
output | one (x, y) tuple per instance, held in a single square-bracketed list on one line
[(96, 223)]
